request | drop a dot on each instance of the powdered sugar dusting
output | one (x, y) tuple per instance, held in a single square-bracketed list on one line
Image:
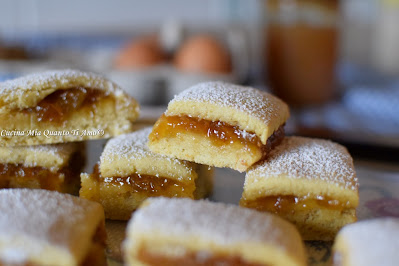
[(33, 219), (216, 222), (259, 104), (52, 156), (62, 149), (133, 146), (48, 79), (317, 159), (372, 242), (13, 256)]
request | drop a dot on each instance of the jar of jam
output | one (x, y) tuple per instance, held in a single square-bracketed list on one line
[(301, 49)]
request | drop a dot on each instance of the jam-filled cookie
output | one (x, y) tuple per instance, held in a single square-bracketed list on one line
[(63, 106), (186, 232), (41, 227), (129, 173), (52, 167), (368, 243), (220, 124), (310, 182)]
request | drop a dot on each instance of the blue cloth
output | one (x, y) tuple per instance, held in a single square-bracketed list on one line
[(369, 105), (377, 107)]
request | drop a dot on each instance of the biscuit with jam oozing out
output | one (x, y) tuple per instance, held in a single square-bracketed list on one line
[(52, 167), (186, 232), (368, 243), (220, 124), (310, 182), (63, 106), (41, 227), (129, 173)]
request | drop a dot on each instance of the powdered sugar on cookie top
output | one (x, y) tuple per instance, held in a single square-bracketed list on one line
[(52, 156), (316, 159), (52, 78), (217, 223), (32, 221), (257, 103), (132, 147), (370, 242)]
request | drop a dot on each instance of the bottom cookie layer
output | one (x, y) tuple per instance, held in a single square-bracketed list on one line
[(192, 259), (65, 180), (317, 220), (96, 254), (120, 196)]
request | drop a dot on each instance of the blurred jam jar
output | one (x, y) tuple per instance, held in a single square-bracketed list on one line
[(301, 49)]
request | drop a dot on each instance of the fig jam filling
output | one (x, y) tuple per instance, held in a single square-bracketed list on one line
[(192, 259), (219, 132), (290, 203), (152, 185), (57, 106)]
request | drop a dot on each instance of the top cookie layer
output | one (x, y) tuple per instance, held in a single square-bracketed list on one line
[(46, 227), (251, 109), (129, 154), (301, 163), (29, 90)]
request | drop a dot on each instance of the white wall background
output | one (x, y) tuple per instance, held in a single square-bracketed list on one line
[(119, 15)]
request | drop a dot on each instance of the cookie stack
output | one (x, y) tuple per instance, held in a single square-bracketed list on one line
[(43, 119)]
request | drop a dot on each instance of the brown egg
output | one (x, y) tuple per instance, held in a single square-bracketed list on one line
[(140, 53), (203, 54)]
